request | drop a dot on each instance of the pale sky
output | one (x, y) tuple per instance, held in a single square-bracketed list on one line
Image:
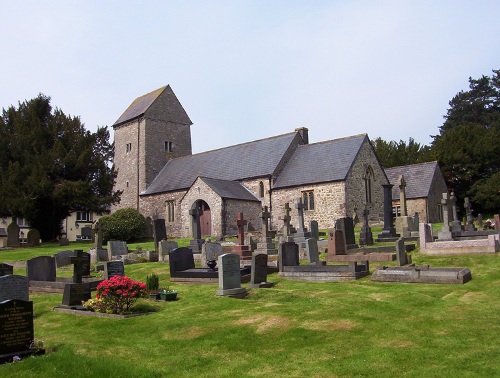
[(246, 70)]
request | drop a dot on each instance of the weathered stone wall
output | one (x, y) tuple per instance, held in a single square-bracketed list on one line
[(417, 205), (438, 187), (251, 212), (355, 186), (254, 184), (157, 203), (329, 205)]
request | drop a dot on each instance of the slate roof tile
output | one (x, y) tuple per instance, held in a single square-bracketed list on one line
[(230, 189), (418, 179)]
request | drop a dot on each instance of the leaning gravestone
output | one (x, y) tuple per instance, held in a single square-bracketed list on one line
[(16, 328), (13, 235), (14, 287), (42, 268), (116, 248), (63, 258), (33, 238), (165, 247), (6, 269), (230, 276), (258, 275), (113, 268), (312, 251)]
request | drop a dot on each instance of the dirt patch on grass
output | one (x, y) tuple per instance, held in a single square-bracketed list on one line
[(395, 343), (329, 325), (185, 334), (449, 295), (380, 297), (473, 297), (265, 323)]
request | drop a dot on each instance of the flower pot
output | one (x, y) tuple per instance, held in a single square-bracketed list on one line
[(170, 296)]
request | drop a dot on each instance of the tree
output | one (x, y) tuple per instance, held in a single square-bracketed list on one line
[(123, 224), (395, 154), (468, 144), (50, 165)]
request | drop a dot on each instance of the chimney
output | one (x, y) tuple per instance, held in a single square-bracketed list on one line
[(304, 133)]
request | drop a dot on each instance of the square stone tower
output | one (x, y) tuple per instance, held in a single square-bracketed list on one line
[(154, 129)]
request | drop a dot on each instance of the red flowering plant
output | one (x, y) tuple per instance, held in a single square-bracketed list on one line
[(119, 293)]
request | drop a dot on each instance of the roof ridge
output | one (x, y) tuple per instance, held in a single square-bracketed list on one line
[(336, 140), (412, 165)]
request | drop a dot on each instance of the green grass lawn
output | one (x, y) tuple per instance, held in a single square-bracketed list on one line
[(295, 329)]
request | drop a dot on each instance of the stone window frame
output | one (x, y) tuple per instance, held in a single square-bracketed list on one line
[(170, 211), (168, 145), (368, 179), (128, 148), (261, 189), (308, 199)]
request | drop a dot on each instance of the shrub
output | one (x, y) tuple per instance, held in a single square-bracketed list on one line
[(124, 224), (152, 282), (119, 293)]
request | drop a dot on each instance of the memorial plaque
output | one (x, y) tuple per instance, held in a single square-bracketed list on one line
[(16, 326), (75, 293), (14, 287), (6, 269), (113, 268)]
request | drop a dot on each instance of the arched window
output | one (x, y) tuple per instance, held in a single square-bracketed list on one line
[(368, 178), (311, 200), (261, 189), (308, 200)]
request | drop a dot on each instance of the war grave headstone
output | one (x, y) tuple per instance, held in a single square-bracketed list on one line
[(314, 229), (346, 224), (289, 268), (159, 231), (116, 248), (422, 274), (388, 232), (16, 329), (42, 268), (266, 245), (164, 248), (113, 268), (312, 251), (14, 287), (13, 235), (258, 277), (242, 249), (6, 269), (230, 277), (366, 236), (3, 237), (301, 234), (196, 243)]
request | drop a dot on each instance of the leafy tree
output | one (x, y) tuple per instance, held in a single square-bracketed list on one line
[(468, 145), (395, 154), (123, 224), (50, 165)]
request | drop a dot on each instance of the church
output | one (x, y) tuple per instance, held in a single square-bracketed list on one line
[(160, 176)]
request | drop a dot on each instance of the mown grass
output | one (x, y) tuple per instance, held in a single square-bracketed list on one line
[(296, 329)]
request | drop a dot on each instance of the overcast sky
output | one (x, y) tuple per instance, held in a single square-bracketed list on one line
[(246, 70)]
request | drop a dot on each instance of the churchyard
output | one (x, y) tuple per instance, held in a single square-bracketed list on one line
[(296, 329)]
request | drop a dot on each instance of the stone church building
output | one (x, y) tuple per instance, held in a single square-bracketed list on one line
[(160, 176)]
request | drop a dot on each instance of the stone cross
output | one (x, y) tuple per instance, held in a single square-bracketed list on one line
[(195, 213), (78, 261), (366, 212), (265, 217), (300, 208), (444, 202), (453, 202), (241, 222), (468, 210), (286, 219), (402, 195)]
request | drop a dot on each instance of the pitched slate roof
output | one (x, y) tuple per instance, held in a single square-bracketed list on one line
[(418, 179), (139, 106), (320, 162), (259, 158), (230, 189)]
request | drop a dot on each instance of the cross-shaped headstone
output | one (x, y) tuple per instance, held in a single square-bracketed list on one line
[(286, 219), (444, 203), (300, 208), (402, 195), (366, 212), (195, 213), (79, 262), (265, 215), (241, 222)]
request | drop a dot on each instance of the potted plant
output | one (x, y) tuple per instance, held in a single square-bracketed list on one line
[(152, 285), (168, 294)]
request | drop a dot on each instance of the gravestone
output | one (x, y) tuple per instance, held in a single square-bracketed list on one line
[(63, 241), (336, 244), (180, 259), (13, 235), (288, 255), (6, 269), (402, 195), (63, 258), (301, 234), (212, 251), (266, 244), (445, 233), (230, 276), (159, 231), (347, 226), (456, 226), (86, 233), (312, 251), (164, 248), (425, 235), (14, 287), (468, 211), (366, 236), (33, 238), (388, 231), (496, 219), (149, 227), (3, 237), (480, 220), (241, 249), (81, 265), (116, 248), (16, 328), (98, 238), (286, 221), (402, 256), (314, 229), (258, 277), (113, 268), (76, 293), (42, 268), (196, 243)]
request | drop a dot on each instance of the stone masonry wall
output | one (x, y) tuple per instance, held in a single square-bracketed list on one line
[(253, 186), (355, 186), (251, 212), (438, 187), (157, 203)]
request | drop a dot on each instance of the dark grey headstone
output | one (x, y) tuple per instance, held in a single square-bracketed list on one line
[(159, 230), (347, 226), (81, 262), (312, 251), (63, 258), (6, 269), (75, 293), (33, 238), (149, 227), (86, 233), (63, 242), (259, 268), (42, 268), (14, 287), (401, 252), (229, 271), (113, 268), (314, 229), (213, 250), (165, 247), (180, 259), (116, 248), (16, 326), (13, 235), (288, 254)]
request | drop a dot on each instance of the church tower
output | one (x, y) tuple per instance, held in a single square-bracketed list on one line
[(153, 129)]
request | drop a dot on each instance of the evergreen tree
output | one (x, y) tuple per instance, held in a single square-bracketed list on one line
[(50, 165), (395, 154)]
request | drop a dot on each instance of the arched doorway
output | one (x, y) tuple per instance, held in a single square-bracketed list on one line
[(205, 218)]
